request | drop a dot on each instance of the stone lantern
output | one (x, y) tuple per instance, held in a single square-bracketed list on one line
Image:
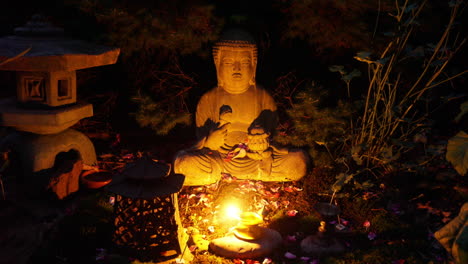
[(324, 242), (147, 223), (46, 104)]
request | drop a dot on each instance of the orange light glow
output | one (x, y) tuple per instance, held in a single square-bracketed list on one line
[(233, 211)]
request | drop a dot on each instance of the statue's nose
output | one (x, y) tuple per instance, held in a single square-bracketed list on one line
[(236, 66)]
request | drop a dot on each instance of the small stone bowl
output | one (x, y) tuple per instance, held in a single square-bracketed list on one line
[(96, 179)]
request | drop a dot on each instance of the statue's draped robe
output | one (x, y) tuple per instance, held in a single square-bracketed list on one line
[(253, 105)]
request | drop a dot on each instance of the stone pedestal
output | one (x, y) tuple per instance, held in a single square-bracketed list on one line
[(233, 247), (38, 152)]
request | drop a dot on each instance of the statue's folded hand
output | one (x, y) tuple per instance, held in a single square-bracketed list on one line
[(259, 155), (258, 142), (217, 137)]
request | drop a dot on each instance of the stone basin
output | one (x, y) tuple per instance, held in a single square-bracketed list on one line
[(96, 179)]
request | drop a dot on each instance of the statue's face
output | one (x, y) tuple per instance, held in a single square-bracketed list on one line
[(236, 70)]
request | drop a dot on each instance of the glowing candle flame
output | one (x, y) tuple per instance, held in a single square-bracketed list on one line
[(232, 211)]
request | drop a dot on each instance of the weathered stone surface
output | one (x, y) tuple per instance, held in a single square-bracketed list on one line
[(318, 245), (235, 122), (233, 247), (38, 152), (44, 122), (46, 88), (36, 61), (454, 236)]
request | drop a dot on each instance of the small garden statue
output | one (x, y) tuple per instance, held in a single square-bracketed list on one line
[(235, 121), (454, 236)]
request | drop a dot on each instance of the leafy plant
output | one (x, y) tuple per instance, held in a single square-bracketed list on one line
[(169, 28), (153, 39), (320, 129), (333, 25), (392, 114), (457, 147), (345, 76)]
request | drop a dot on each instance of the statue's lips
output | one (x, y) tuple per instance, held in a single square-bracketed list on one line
[(236, 75)]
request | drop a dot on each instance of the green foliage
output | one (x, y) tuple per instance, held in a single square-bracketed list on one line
[(308, 224), (378, 254), (358, 209), (282, 223), (400, 80), (457, 152), (320, 129), (457, 147), (210, 259), (154, 115), (333, 25), (384, 223), (345, 76), (173, 27), (463, 111), (341, 180), (153, 38)]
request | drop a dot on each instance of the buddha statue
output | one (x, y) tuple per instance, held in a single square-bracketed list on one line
[(235, 122)]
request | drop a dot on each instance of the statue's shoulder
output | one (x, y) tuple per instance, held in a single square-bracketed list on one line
[(262, 89), (210, 93)]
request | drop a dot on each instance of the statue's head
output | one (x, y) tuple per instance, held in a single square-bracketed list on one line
[(235, 57)]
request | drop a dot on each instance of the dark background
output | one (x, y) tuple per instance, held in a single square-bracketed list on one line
[(305, 57)]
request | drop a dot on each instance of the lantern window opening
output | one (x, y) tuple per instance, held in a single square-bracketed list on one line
[(63, 89), (34, 87)]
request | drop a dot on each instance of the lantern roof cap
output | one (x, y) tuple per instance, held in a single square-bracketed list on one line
[(46, 49), (146, 178)]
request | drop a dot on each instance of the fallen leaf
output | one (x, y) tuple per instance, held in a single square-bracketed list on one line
[(106, 156), (457, 152), (275, 190), (371, 235), (292, 213), (366, 224), (128, 156), (289, 255), (291, 238)]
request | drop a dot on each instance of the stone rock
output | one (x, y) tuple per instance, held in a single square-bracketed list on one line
[(317, 245), (454, 236), (232, 247)]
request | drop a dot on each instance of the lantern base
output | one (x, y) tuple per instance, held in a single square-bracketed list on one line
[(38, 152)]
